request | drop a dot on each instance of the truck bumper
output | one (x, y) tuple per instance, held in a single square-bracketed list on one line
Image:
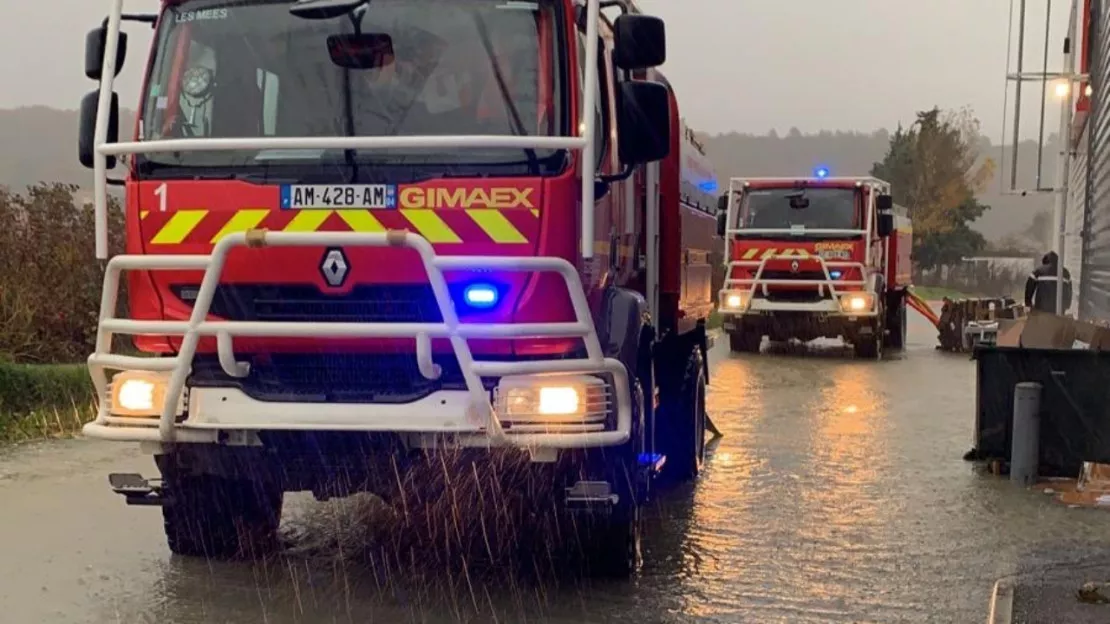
[(804, 321), (558, 404)]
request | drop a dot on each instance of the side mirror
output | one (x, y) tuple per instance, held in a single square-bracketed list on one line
[(645, 122), (722, 203), (94, 52), (885, 225), (86, 133), (884, 202), (639, 42), (722, 223)]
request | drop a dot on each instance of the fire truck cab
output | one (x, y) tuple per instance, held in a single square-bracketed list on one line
[(363, 231), (814, 257)]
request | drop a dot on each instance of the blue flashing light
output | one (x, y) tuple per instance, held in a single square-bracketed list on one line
[(835, 274), (708, 186), (652, 461), (481, 296), (822, 172)]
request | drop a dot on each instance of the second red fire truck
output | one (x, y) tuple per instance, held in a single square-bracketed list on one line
[(814, 257)]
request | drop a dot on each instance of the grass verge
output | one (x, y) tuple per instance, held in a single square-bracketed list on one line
[(936, 293), (714, 320), (40, 401)]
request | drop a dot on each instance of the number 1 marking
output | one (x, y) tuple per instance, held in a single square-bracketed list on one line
[(161, 193)]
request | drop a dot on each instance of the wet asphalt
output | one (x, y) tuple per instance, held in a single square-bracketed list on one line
[(837, 494)]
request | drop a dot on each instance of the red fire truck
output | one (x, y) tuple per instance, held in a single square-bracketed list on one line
[(814, 257), (362, 230)]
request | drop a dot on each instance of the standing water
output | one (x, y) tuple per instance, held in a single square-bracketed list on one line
[(837, 494)]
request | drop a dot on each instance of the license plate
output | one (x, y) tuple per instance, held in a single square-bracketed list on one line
[(331, 197)]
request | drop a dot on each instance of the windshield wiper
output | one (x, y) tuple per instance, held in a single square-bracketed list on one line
[(503, 90)]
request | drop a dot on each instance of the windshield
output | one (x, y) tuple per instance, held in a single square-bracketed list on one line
[(459, 67), (828, 209)]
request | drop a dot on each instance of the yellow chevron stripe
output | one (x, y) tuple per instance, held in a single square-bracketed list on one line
[(535, 212), (308, 220), (143, 213), (430, 226), (768, 253), (361, 221), (242, 221), (749, 254), (494, 224), (178, 227), (796, 253)]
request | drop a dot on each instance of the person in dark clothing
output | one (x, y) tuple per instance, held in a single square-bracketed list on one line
[(1040, 287)]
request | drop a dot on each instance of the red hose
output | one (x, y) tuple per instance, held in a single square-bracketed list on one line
[(923, 308)]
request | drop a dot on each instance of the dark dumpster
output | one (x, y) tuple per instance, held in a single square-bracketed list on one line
[(1075, 404)]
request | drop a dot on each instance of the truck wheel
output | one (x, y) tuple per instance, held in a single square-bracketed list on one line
[(744, 343), (218, 518), (684, 415), (613, 541), (896, 325), (611, 538), (870, 346)]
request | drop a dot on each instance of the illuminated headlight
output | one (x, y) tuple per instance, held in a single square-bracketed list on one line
[(138, 393), (734, 301), (857, 302), (552, 399)]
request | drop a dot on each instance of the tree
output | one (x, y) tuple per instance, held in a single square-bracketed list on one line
[(1040, 230), (935, 170)]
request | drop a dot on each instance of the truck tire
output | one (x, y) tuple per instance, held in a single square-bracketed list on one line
[(685, 424), (870, 347), (613, 541), (218, 518), (744, 342), (896, 324), (611, 538)]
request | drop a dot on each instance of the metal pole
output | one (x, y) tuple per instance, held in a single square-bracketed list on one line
[(1017, 97), (1025, 443), (1063, 165), (1044, 92)]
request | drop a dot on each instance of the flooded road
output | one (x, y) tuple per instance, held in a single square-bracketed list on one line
[(837, 494)]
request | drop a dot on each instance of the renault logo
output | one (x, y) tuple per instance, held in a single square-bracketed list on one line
[(794, 266), (334, 267)]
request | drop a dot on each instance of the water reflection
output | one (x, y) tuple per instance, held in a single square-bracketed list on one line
[(836, 495)]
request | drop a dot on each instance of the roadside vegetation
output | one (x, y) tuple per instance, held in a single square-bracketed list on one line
[(937, 293), (49, 301)]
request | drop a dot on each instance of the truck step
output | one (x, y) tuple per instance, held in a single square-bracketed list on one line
[(137, 489), (590, 496)]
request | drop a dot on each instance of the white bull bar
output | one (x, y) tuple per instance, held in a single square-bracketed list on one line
[(478, 407), (826, 287)]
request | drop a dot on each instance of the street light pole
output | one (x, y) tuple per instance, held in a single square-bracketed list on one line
[(1063, 165)]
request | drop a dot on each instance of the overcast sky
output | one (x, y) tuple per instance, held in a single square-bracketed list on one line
[(744, 65)]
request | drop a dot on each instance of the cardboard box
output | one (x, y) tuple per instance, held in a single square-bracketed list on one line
[(1009, 332), (1041, 330)]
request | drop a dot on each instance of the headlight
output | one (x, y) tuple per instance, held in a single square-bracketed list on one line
[(857, 302), (734, 301), (138, 393), (562, 398)]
